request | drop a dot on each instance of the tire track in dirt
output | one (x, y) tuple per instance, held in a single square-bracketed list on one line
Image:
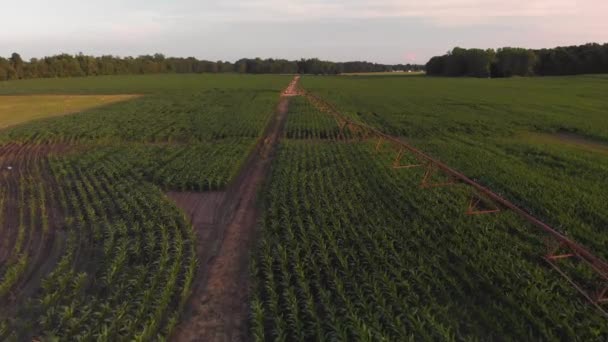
[(218, 306), (27, 186)]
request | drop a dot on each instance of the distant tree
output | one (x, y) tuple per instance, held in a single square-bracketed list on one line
[(17, 64), (436, 66), (39, 67), (4, 69), (515, 62), (88, 64), (65, 65), (223, 66), (478, 62), (507, 62), (240, 66), (106, 65), (69, 66), (465, 62), (456, 62)]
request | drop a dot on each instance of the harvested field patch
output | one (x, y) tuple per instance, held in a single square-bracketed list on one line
[(18, 109)]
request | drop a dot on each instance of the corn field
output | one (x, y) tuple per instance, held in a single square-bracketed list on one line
[(91, 248), (352, 249)]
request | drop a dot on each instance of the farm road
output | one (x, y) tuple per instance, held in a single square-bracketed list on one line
[(219, 307)]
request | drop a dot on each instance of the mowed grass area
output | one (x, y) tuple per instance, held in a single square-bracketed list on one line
[(509, 134), (18, 109)]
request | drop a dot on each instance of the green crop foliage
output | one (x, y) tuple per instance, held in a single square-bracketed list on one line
[(145, 84), (170, 118), (123, 255), (349, 249), (307, 122), (352, 249), (540, 142)]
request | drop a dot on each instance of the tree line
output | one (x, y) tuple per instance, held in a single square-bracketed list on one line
[(506, 62), (65, 65)]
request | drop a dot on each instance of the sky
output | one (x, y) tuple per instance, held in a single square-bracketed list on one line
[(383, 31)]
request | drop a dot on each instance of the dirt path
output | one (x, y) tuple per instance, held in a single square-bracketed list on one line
[(219, 305)]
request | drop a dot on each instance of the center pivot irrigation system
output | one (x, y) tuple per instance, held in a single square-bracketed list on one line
[(559, 247)]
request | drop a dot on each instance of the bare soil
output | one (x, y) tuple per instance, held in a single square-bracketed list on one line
[(218, 308), (19, 163), (24, 151), (201, 207), (204, 212)]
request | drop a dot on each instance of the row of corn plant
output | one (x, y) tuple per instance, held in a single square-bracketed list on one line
[(127, 260), (124, 241), (304, 121), (32, 222), (185, 117), (352, 249), (536, 142)]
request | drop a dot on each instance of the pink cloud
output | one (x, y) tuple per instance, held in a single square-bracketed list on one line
[(410, 57)]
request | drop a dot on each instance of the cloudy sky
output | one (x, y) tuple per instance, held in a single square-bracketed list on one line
[(387, 31)]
